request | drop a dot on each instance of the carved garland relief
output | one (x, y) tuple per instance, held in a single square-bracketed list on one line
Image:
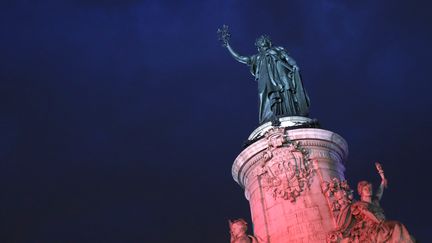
[(338, 192)]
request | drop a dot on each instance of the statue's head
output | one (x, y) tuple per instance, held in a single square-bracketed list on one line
[(263, 42), (364, 188), (238, 226)]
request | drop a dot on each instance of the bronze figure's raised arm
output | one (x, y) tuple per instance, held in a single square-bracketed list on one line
[(280, 88), (224, 37)]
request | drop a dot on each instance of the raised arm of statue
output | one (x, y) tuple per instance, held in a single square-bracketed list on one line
[(239, 58), (380, 190), (224, 36)]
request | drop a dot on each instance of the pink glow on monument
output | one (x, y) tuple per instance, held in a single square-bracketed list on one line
[(278, 173), (294, 181)]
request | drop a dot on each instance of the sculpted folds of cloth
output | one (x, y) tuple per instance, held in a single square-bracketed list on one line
[(280, 88)]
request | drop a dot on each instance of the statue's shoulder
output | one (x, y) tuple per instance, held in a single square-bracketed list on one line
[(272, 51), (252, 60), (281, 52), (279, 48)]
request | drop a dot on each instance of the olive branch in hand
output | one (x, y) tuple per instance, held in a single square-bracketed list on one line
[(224, 35)]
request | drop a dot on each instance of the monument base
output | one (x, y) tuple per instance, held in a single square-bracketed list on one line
[(283, 172)]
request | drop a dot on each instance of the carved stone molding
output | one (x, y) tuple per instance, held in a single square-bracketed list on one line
[(326, 147), (318, 143)]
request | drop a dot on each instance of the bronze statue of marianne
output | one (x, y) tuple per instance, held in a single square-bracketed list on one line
[(280, 89)]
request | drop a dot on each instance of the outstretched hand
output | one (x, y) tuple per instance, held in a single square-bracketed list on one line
[(224, 35), (381, 172)]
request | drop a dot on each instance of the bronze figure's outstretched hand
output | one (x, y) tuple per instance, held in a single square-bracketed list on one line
[(224, 35)]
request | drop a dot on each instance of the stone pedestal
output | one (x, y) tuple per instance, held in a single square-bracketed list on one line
[(284, 173)]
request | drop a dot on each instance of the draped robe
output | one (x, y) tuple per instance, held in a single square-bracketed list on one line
[(280, 88)]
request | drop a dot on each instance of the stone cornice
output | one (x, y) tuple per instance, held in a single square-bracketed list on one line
[(307, 137)]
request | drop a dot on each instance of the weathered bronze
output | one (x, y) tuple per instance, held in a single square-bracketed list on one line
[(280, 89)]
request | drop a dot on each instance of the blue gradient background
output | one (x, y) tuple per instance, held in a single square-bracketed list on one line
[(120, 119)]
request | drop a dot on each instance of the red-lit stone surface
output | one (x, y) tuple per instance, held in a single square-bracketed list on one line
[(282, 174)]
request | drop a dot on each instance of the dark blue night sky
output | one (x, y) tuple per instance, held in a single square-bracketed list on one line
[(120, 119)]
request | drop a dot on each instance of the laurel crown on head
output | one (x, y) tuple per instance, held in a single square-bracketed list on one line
[(263, 40)]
